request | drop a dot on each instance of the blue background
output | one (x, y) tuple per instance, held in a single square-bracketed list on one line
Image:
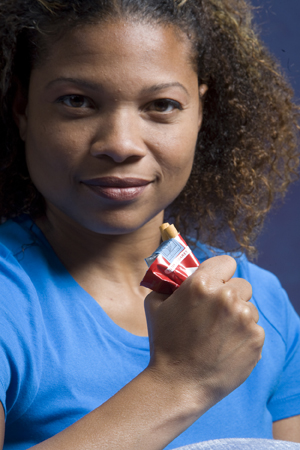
[(279, 243)]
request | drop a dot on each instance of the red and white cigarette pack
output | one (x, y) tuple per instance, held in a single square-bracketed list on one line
[(169, 266)]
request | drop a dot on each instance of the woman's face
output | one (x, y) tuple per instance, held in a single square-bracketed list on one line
[(111, 124)]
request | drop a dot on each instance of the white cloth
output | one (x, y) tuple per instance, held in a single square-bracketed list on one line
[(242, 444)]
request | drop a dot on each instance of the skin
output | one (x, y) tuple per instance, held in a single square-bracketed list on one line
[(120, 127), (120, 130)]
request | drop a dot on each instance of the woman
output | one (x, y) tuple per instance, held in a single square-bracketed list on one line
[(115, 114)]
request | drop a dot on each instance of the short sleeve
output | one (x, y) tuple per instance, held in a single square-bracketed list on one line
[(285, 402), (277, 314), (20, 342)]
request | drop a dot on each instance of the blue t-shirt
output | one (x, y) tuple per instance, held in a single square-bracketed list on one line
[(61, 356)]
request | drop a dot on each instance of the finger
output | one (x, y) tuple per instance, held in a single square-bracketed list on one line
[(153, 302), (242, 287), (254, 311), (250, 311), (219, 268)]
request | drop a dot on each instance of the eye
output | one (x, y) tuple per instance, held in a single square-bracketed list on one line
[(164, 105), (75, 101)]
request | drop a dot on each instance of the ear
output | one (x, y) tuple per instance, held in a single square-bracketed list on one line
[(202, 91), (19, 109)]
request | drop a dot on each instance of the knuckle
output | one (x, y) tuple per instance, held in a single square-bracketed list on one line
[(239, 310), (245, 315), (200, 284), (228, 294), (227, 300)]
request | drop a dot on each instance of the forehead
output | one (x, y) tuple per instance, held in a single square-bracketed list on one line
[(114, 46), (132, 33)]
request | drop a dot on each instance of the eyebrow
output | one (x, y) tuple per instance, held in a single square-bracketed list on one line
[(97, 86), (160, 87)]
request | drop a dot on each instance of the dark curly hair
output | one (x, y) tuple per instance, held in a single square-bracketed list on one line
[(247, 149)]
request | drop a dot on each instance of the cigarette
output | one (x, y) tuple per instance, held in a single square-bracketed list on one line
[(162, 231), (168, 231)]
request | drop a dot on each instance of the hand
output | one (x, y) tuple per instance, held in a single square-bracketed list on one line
[(204, 337)]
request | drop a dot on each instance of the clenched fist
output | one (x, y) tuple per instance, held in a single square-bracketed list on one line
[(204, 337)]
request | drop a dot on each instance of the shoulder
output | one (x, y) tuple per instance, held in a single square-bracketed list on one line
[(17, 235), (18, 296), (15, 239), (269, 297), (272, 301), (20, 309), (25, 250), (263, 282), (20, 324)]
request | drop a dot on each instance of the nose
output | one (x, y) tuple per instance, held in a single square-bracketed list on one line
[(119, 136)]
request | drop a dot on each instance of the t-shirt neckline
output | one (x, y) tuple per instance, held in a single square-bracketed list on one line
[(117, 332)]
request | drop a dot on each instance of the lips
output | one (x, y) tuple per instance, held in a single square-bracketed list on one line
[(117, 189), (117, 182)]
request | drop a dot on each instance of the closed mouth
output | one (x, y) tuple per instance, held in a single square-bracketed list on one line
[(115, 189), (112, 182)]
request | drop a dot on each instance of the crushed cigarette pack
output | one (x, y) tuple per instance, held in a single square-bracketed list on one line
[(170, 264)]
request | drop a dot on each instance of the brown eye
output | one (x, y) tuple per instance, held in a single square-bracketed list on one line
[(164, 105), (75, 101)]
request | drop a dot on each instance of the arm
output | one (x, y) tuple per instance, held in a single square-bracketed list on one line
[(204, 343), (287, 429), (147, 413)]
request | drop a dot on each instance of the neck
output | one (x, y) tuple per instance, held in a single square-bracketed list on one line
[(120, 258)]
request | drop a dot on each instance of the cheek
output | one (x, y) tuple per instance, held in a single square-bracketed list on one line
[(50, 152), (178, 155), (51, 165)]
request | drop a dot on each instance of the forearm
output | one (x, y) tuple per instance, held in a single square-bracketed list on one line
[(287, 429), (147, 413)]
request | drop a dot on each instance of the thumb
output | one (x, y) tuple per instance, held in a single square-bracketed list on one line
[(152, 302)]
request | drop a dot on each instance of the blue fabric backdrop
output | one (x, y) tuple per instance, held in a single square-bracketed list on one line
[(279, 244)]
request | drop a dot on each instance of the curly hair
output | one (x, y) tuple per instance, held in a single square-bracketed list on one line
[(247, 149)]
